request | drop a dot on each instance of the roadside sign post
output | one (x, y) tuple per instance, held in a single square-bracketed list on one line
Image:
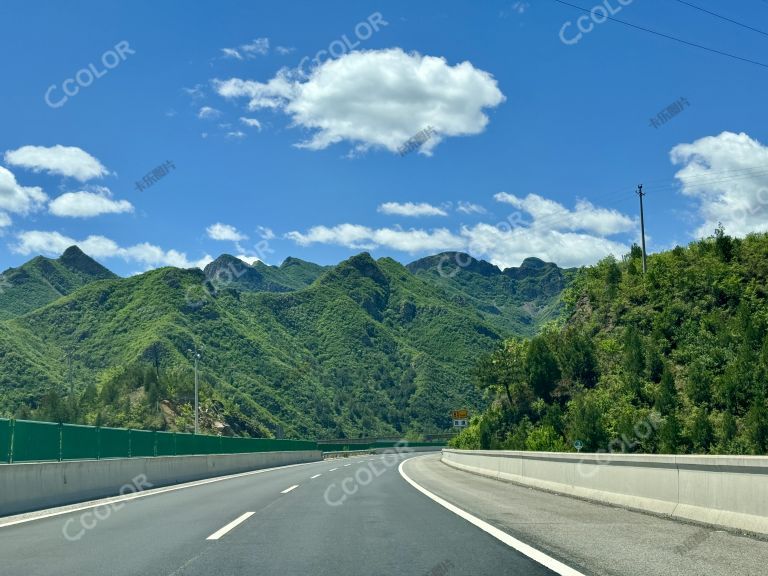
[(460, 418)]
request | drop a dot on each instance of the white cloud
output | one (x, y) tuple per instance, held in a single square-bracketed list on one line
[(365, 238), (259, 46), (552, 234), (283, 50), (273, 94), (206, 112), (376, 98), (54, 243), (520, 7), (195, 92), (265, 233), (411, 209), (237, 134), (221, 231), (84, 204), (16, 198), (64, 160), (252, 122), (250, 260), (232, 53), (470, 208), (503, 246), (508, 246), (727, 176), (5, 220), (555, 216)]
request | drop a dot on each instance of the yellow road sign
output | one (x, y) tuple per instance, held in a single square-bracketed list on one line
[(460, 414)]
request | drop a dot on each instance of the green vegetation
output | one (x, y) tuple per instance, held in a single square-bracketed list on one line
[(362, 349), (43, 280), (675, 361), (517, 301)]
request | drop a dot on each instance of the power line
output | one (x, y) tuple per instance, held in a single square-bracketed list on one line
[(668, 36), (716, 15)]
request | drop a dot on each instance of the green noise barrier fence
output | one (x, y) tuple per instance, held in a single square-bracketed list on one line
[(27, 441)]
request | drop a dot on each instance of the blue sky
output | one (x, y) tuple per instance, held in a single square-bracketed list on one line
[(540, 133)]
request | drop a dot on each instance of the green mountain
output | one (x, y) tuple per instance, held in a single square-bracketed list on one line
[(292, 274), (672, 361), (43, 280), (515, 300), (368, 348)]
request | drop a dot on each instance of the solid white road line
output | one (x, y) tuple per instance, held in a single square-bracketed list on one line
[(289, 489), (536, 555), (315, 476), (231, 526), (58, 511)]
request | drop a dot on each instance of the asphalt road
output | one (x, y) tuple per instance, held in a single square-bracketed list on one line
[(354, 516), (595, 539)]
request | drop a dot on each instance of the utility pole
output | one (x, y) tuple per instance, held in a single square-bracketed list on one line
[(197, 355), (642, 221)]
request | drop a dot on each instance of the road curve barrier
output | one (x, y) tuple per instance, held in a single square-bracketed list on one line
[(725, 491)]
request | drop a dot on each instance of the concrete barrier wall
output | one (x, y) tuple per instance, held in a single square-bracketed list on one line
[(727, 491), (35, 486)]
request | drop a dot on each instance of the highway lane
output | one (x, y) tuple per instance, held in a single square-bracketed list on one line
[(353, 516)]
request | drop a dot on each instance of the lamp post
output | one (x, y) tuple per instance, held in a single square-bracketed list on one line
[(196, 354)]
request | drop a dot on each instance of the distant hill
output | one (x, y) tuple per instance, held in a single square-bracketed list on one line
[(368, 348), (515, 300), (292, 274), (43, 280)]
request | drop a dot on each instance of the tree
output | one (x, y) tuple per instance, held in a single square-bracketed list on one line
[(577, 359), (504, 371), (701, 431), (723, 244), (634, 353), (756, 426), (669, 435), (543, 371), (666, 399), (697, 385), (585, 422)]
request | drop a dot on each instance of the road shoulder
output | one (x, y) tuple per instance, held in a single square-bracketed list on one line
[(599, 539)]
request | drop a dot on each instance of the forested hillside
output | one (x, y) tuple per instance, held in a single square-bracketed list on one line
[(516, 301), (367, 349), (43, 280), (673, 361)]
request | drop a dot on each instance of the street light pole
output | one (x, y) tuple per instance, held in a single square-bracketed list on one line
[(197, 356)]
